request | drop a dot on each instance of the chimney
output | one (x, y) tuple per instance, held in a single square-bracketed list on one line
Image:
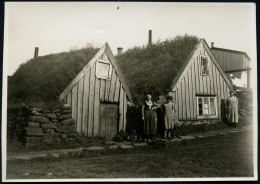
[(212, 44), (150, 37), (36, 50), (119, 50)]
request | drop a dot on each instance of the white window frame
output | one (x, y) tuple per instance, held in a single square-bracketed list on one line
[(109, 72), (204, 57), (206, 116)]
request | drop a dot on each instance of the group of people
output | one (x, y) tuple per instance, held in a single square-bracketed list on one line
[(162, 115), (165, 117)]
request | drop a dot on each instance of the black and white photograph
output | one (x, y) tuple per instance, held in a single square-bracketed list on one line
[(129, 91)]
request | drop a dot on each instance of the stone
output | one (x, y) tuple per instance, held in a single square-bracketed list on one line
[(49, 174), (33, 140), (67, 122), (66, 111), (51, 115), (26, 174), (40, 119), (66, 129), (141, 144), (33, 124), (126, 146), (95, 148), (63, 136), (48, 126), (187, 137), (176, 140), (66, 106), (56, 155), (113, 147), (54, 120), (56, 110), (73, 135), (110, 142), (36, 113), (34, 131), (234, 131), (37, 109), (71, 139), (64, 116), (46, 111)]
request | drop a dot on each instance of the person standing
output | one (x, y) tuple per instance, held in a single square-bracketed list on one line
[(232, 109), (160, 115), (148, 117), (168, 117)]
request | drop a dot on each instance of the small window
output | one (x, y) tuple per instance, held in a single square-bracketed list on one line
[(206, 107), (103, 70), (204, 65)]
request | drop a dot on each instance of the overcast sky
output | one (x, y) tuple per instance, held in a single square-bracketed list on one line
[(61, 26)]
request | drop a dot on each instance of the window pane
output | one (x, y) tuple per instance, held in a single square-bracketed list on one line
[(212, 107), (103, 70), (200, 107)]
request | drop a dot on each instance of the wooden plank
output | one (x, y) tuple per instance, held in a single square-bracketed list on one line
[(178, 101), (194, 90), (221, 87), (80, 109), (121, 108), (219, 92), (199, 76), (190, 92), (117, 90), (91, 101), (75, 102), (96, 106), (211, 78), (187, 104), (112, 86), (69, 98), (184, 110), (107, 90), (214, 79), (125, 111), (82, 72), (102, 89), (86, 103)]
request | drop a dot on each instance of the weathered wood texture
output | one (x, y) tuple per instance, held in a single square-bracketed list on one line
[(86, 96), (192, 83), (229, 60)]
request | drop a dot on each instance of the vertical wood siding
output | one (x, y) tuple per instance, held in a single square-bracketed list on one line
[(192, 83), (86, 96)]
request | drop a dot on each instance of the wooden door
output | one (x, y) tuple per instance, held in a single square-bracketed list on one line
[(108, 120)]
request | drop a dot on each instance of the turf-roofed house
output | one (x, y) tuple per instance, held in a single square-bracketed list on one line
[(99, 96), (88, 79), (184, 68)]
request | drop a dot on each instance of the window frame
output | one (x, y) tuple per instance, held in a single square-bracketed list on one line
[(109, 70), (204, 57), (204, 115)]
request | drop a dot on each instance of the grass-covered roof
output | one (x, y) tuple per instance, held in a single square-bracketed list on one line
[(147, 69), (41, 80), (151, 69)]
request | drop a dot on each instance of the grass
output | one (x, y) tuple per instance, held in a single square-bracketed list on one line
[(222, 156)]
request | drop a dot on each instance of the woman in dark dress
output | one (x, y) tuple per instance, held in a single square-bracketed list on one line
[(148, 117)]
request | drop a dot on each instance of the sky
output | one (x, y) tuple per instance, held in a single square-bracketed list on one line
[(61, 26)]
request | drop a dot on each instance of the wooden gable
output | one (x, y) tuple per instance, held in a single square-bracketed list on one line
[(190, 83), (87, 91)]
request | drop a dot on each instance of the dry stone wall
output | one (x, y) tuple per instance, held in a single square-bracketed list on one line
[(45, 126)]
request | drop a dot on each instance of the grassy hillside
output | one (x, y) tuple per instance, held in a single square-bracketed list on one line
[(39, 81), (151, 69)]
